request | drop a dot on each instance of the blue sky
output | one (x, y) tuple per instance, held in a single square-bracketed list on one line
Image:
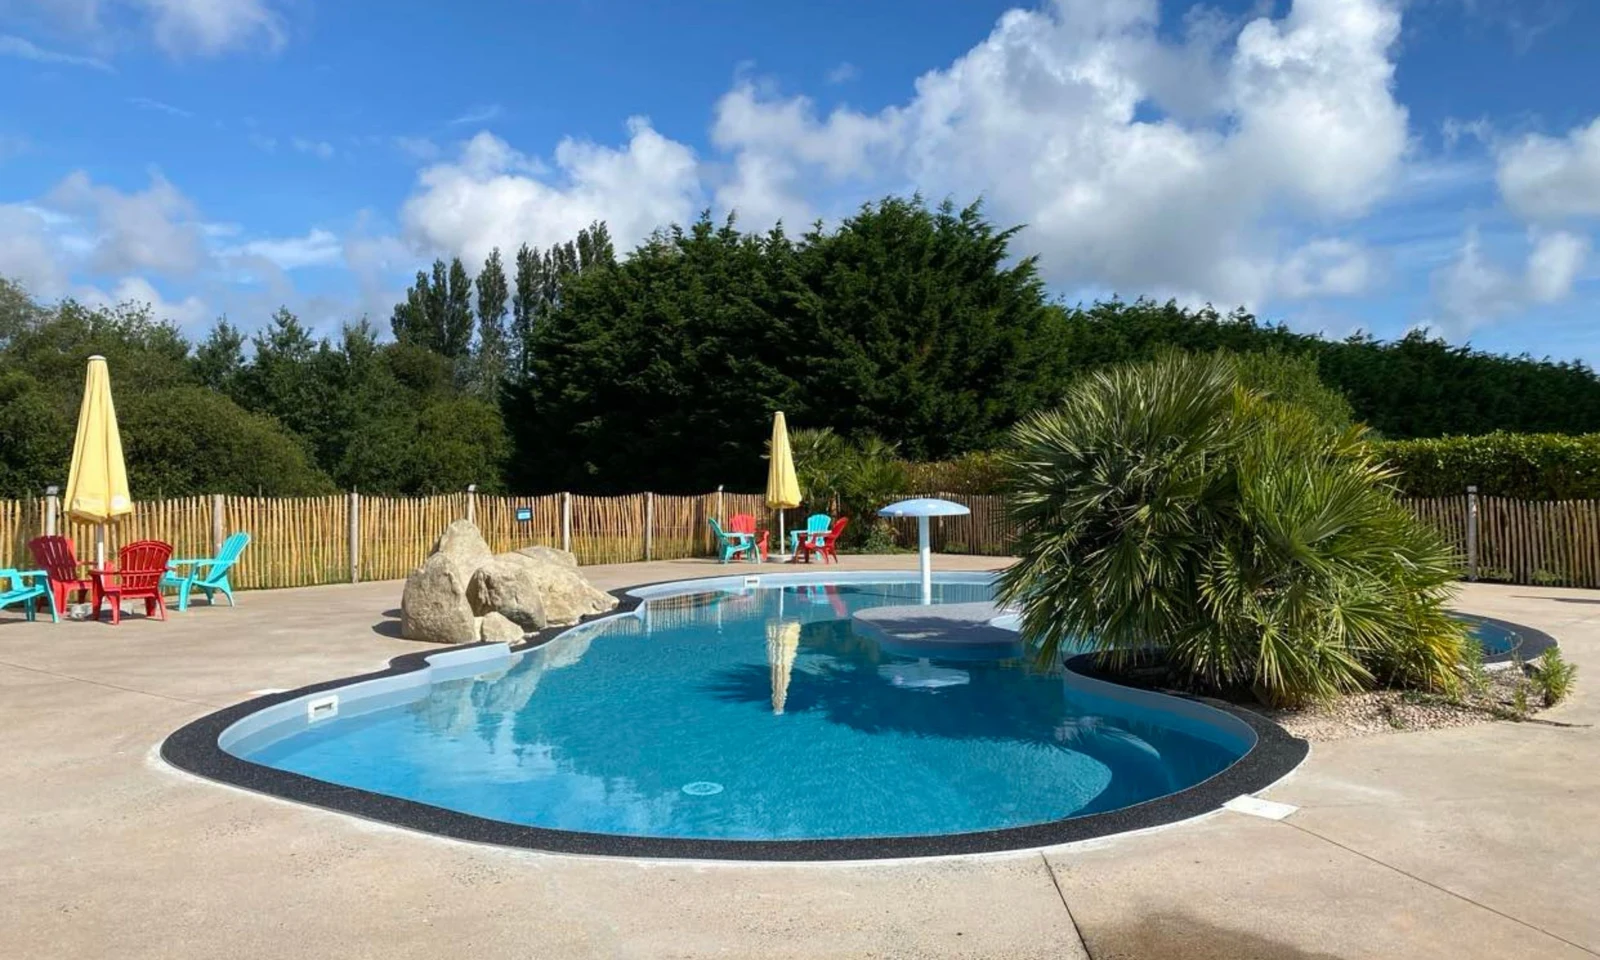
[(1336, 164)]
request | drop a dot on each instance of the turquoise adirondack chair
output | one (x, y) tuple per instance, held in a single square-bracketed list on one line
[(26, 587), (730, 545), (209, 574), (816, 525)]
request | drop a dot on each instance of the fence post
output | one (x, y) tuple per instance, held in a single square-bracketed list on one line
[(216, 521), (472, 503), (566, 522), (355, 537), (1472, 533), (52, 509), (649, 523)]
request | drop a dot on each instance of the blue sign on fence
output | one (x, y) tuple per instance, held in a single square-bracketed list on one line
[(524, 514)]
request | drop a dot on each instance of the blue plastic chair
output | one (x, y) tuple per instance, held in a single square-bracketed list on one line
[(730, 545), (817, 525), (209, 574), (26, 587)]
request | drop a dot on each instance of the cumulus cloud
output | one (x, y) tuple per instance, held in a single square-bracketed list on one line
[(155, 229), (1474, 289), (318, 248), (1139, 163), (179, 27), (1552, 178), (29, 253), (189, 312), (492, 195)]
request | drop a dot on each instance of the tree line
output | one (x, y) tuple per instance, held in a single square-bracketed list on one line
[(908, 325)]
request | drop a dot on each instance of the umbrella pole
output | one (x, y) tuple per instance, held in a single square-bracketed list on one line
[(925, 556), (783, 544), (100, 545)]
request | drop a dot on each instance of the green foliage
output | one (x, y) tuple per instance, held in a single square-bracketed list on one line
[(664, 370), (850, 479), (540, 279), (182, 440), (437, 313), (1293, 378), (1554, 676), (492, 352), (1165, 505), (981, 471), (1417, 386), (1526, 466)]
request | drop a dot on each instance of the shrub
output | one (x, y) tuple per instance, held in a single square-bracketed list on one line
[(1528, 466), (1554, 676), (1165, 505)]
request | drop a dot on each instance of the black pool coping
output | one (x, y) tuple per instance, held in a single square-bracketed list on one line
[(1531, 643), (194, 749)]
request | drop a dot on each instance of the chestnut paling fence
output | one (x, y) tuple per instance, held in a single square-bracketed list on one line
[(354, 537)]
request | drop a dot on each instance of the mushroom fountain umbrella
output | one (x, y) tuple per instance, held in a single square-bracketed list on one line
[(922, 508)]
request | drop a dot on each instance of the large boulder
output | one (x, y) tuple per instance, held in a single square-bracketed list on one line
[(434, 606), (566, 595), (497, 629), (507, 588), (550, 555), (464, 592), (464, 546)]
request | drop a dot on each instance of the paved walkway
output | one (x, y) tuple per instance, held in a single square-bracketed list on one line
[(1477, 842)]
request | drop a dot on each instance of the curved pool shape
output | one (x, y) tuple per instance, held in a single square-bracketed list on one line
[(747, 713)]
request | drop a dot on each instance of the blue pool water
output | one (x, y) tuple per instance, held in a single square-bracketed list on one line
[(757, 714), (1496, 640)]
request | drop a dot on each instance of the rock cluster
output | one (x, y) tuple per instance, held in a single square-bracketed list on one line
[(465, 592)]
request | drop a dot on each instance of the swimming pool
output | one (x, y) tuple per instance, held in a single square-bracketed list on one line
[(747, 711)]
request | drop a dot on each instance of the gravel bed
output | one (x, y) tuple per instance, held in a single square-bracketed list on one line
[(1391, 711)]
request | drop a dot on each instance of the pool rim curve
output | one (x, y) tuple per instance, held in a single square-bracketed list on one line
[(196, 749)]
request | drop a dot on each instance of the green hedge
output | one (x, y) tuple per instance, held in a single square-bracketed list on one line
[(1528, 466)]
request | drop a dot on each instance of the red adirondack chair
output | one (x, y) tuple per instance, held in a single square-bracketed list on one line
[(135, 576), (54, 555), (745, 523), (827, 544)]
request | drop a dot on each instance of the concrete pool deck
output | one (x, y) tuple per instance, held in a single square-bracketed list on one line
[(1470, 842)]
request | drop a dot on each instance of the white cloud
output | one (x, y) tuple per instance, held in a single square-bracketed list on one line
[(479, 114), (1326, 268), (28, 252), (190, 312), (145, 103), (321, 149), (263, 142), (179, 27), (420, 149), (1474, 290), (1548, 179), (318, 248), (153, 229), (212, 27), (843, 73), (1048, 119), (27, 50), (492, 195)]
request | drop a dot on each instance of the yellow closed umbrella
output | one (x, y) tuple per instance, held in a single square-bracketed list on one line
[(783, 487), (97, 488)]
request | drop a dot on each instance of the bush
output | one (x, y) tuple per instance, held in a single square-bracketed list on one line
[(1528, 466), (1166, 506), (1554, 676)]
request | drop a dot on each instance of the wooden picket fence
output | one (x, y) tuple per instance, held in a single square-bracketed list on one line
[(340, 539)]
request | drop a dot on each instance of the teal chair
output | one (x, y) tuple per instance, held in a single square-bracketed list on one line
[(26, 587), (209, 574), (729, 544), (817, 525)]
